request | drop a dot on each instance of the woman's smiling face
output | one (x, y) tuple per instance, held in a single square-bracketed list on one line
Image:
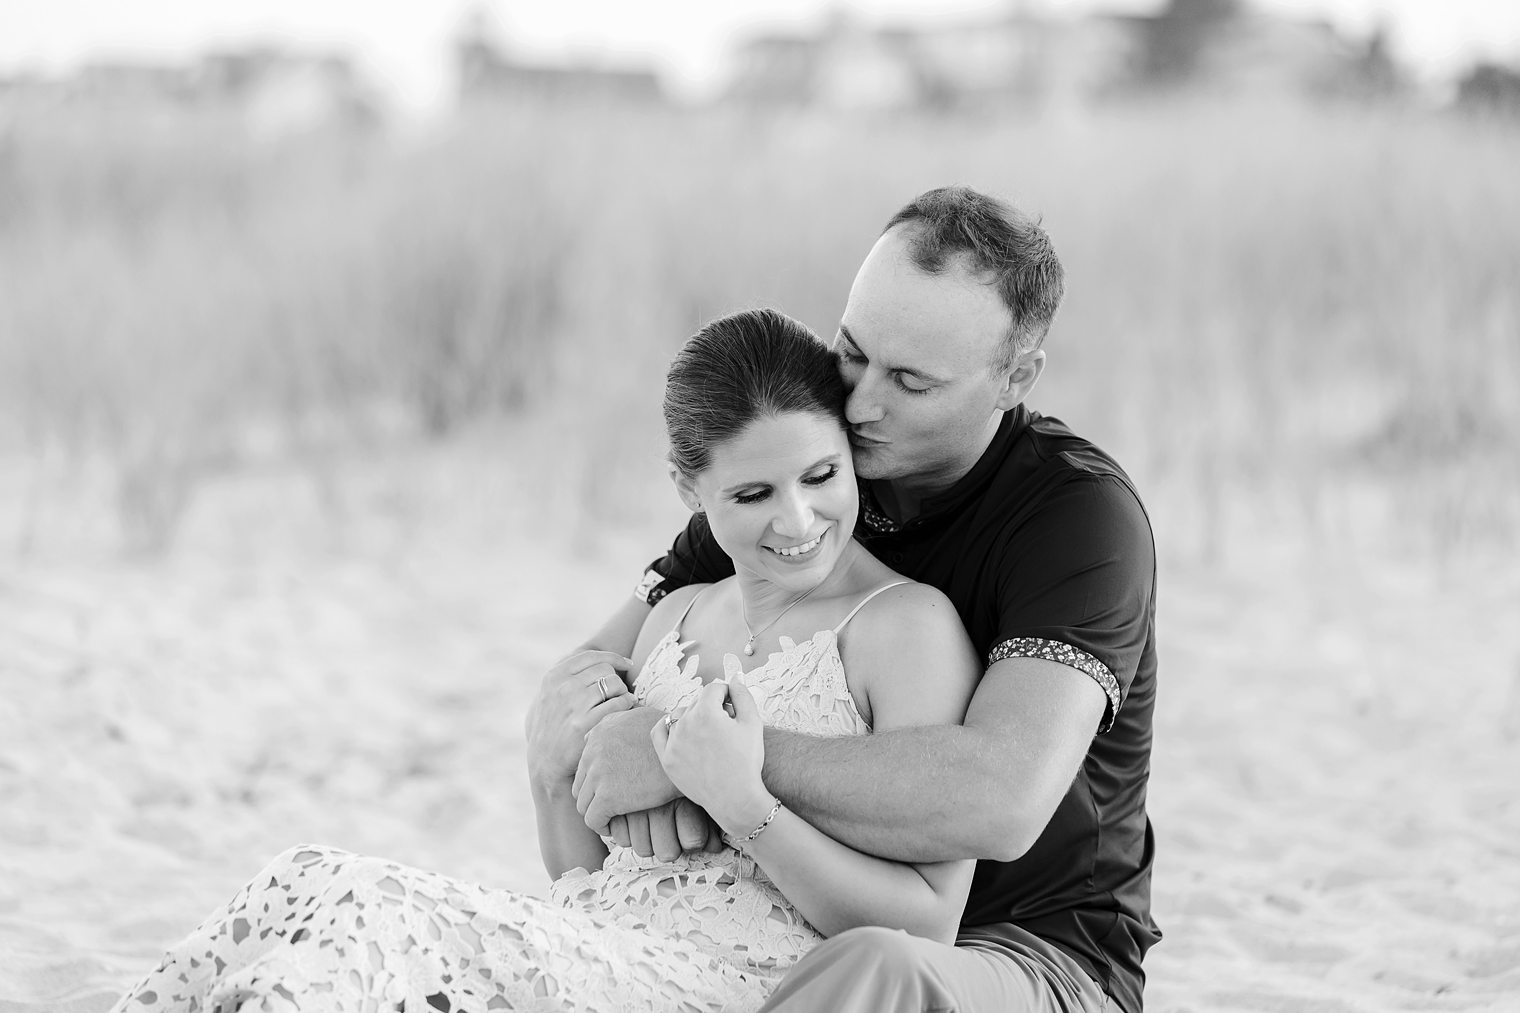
[(780, 497)]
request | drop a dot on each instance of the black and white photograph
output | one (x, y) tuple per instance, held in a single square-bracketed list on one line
[(778, 506)]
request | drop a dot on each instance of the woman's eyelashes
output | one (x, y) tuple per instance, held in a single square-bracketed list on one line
[(762, 492), (822, 477)]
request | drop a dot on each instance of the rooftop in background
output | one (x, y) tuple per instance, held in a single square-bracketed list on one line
[(269, 90), (1014, 54), (405, 49), (1018, 60)]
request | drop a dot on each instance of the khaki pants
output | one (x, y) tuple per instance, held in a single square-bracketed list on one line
[(876, 970)]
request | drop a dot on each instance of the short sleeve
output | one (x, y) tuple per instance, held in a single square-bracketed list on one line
[(694, 558), (1076, 585)]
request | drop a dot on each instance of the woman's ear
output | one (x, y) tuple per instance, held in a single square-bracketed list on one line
[(686, 488)]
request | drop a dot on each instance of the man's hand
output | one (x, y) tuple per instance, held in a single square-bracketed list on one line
[(667, 831), (715, 752), (619, 772), (574, 697)]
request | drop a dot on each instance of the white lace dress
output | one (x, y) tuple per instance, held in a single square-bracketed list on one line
[(321, 929)]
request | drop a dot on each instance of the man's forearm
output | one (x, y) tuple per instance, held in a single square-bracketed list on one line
[(620, 772), (912, 794)]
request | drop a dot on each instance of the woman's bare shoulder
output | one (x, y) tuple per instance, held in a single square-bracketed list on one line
[(665, 612), (662, 619), (906, 640), (908, 602)]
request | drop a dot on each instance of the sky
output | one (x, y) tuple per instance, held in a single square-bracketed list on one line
[(403, 44)]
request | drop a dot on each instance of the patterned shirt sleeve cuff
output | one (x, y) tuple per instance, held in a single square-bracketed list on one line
[(650, 589), (1064, 654)]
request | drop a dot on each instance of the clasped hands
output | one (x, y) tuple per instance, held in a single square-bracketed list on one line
[(647, 784)]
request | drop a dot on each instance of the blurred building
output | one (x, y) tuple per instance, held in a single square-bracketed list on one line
[(278, 91), (489, 73), (850, 65), (270, 91), (1020, 57), (1233, 50), (1490, 88)]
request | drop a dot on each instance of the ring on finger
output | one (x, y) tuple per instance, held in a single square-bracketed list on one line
[(601, 684), (670, 722)]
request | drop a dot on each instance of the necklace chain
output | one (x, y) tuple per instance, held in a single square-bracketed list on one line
[(749, 645)]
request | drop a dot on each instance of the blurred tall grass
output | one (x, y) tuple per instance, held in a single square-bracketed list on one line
[(1287, 323)]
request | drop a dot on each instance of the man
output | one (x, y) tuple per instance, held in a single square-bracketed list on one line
[(1042, 544)]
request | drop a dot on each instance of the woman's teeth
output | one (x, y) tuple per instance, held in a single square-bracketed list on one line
[(798, 550)]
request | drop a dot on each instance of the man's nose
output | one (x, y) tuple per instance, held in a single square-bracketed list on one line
[(862, 405)]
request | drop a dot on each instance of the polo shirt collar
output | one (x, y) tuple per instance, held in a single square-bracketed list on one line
[(1012, 425)]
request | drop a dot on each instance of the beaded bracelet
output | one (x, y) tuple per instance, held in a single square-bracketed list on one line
[(738, 841)]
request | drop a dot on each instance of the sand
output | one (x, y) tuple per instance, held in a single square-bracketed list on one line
[(1334, 773)]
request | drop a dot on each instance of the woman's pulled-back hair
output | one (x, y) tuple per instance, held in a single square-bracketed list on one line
[(739, 368)]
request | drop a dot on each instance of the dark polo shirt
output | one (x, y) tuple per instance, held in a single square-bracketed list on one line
[(1046, 552)]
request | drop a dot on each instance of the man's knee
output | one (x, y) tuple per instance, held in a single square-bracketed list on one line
[(883, 951), (865, 970)]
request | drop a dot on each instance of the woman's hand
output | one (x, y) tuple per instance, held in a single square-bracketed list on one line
[(574, 695), (715, 759)]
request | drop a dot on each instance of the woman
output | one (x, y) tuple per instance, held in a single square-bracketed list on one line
[(754, 412)]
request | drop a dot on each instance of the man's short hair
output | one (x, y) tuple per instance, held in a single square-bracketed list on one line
[(997, 240)]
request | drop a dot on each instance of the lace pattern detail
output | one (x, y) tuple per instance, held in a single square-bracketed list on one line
[(1071, 657), (802, 685), (724, 899), (320, 929)]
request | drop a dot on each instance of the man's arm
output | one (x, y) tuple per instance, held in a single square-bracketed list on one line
[(620, 632), (1074, 587), (575, 694), (668, 824), (619, 763), (985, 789)]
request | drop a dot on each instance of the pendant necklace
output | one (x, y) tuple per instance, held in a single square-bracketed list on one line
[(749, 645)]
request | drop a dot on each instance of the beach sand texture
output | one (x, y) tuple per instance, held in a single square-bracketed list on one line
[(1333, 778), (314, 456)]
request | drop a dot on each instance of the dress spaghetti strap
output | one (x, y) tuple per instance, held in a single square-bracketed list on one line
[(676, 629), (867, 598)]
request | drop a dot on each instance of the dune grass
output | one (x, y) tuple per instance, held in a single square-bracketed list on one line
[(1281, 320)]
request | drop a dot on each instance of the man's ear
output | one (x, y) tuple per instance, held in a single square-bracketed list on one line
[(686, 488), (1020, 380)]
